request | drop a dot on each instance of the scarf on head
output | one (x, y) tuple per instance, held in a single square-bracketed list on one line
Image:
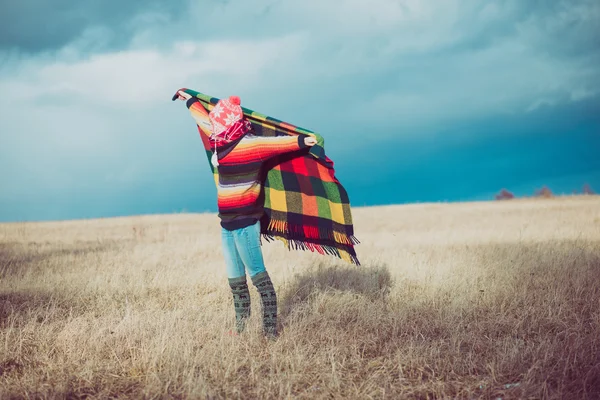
[(227, 121), (227, 124), (306, 207)]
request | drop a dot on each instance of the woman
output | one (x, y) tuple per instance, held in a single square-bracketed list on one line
[(239, 157)]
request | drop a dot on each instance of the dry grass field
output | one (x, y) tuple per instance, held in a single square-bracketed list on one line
[(475, 300)]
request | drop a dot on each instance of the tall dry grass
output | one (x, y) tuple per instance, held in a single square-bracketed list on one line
[(474, 300)]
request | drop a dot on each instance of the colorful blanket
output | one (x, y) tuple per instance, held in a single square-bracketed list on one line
[(306, 207)]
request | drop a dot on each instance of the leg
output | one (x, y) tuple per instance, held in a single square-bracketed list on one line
[(268, 298), (237, 280), (248, 244)]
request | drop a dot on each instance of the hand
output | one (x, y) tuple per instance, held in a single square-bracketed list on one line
[(181, 95), (310, 141)]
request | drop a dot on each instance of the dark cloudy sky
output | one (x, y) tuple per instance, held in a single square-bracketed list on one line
[(418, 100)]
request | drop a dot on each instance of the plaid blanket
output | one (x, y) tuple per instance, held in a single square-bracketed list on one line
[(306, 207)]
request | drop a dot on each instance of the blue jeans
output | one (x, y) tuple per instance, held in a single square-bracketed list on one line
[(242, 251)]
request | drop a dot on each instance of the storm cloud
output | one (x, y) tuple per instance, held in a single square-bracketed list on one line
[(38, 25), (88, 129)]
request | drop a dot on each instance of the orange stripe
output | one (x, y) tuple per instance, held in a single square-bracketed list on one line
[(251, 150)]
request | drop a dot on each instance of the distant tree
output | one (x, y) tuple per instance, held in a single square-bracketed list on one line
[(544, 192), (505, 195), (587, 189)]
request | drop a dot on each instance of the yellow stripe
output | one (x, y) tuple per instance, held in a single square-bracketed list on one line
[(341, 238), (345, 256)]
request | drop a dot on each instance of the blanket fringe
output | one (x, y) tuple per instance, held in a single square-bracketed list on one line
[(311, 233), (303, 238)]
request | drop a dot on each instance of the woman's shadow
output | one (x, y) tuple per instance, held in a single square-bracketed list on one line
[(371, 282)]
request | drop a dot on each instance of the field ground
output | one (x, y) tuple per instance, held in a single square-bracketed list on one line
[(472, 300)]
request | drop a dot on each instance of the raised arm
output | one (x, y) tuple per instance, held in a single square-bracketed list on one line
[(198, 112), (262, 147), (267, 147)]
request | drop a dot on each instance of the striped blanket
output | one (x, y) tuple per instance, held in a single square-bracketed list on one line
[(306, 207)]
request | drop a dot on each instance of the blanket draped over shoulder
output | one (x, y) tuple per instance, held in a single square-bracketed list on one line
[(306, 207)]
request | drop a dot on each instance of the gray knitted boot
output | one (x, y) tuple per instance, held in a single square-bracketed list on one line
[(241, 301), (268, 298)]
